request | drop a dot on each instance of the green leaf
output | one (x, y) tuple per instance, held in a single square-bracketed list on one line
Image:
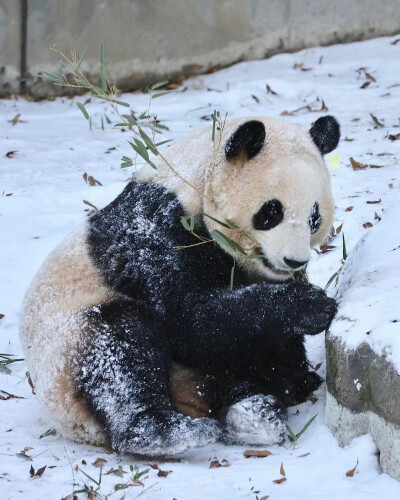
[(82, 108), (222, 239), (191, 222), (80, 61), (160, 94), (4, 368), (148, 141), (232, 275), (344, 248), (24, 456), (218, 221), (239, 248), (126, 162), (103, 74), (51, 76), (185, 223), (159, 84), (163, 142), (130, 119), (292, 435), (303, 430), (331, 279)]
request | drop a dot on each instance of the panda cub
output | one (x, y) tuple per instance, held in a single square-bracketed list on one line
[(130, 329)]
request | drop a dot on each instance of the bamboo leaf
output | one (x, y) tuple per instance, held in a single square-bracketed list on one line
[(331, 279), (232, 275), (222, 239), (51, 76), (303, 430), (80, 61), (344, 248), (185, 223), (218, 221), (82, 108), (160, 94), (159, 84), (148, 141), (103, 74)]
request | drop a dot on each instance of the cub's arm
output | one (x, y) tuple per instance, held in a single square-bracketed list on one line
[(223, 329)]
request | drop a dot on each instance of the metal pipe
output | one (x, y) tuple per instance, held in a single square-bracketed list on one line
[(23, 45)]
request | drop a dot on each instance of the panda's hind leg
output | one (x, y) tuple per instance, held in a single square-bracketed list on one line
[(124, 377)]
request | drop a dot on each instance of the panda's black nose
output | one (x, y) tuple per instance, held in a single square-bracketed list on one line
[(294, 264)]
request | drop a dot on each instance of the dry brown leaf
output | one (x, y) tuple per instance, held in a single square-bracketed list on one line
[(355, 120), (163, 473), (370, 77), (339, 228), (325, 248), (215, 464), (349, 209), (76, 468), (1, 316), (32, 471), (93, 182), (99, 462), (365, 85), (84, 462), (225, 463), (154, 466), (282, 470), (31, 384), (357, 165), (375, 166), (318, 366), (270, 91), (85, 176), (384, 154), (373, 202), (16, 118), (392, 137), (90, 205), (10, 154), (304, 455), (9, 396), (350, 473), (376, 121), (377, 217), (257, 453), (367, 225), (279, 481), (40, 471), (265, 497)]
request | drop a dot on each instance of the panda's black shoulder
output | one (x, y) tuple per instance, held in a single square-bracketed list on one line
[(133, 241)]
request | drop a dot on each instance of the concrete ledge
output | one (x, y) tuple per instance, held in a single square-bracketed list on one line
[(347, 425), (148, 40)]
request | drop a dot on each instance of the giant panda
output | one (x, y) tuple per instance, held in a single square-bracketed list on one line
[(131, 333)]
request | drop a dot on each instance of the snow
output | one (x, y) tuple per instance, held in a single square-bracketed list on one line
[(54, 147)]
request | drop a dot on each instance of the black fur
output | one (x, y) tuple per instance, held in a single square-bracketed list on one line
[(249, 138), (325, 132), (176, 305)]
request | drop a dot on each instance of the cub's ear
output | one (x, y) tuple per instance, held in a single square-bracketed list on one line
[(249, 139), (325, 133)]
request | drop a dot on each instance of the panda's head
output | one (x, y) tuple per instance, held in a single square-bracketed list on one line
[(269, 180)]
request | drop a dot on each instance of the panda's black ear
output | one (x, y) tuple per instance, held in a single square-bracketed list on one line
[(249, 138), (325, 133)]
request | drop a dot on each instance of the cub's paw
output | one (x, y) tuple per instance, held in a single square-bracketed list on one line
[(166, 433), (312, 311), (257, 420)]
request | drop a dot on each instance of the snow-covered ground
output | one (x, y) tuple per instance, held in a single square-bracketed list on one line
[(42, 191)]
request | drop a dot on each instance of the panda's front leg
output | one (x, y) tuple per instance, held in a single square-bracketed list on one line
[(123, 375), (249, 415)]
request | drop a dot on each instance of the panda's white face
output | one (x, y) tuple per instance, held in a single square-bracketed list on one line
[(270, 181)]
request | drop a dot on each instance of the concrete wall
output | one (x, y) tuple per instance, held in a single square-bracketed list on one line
[(147, 40)]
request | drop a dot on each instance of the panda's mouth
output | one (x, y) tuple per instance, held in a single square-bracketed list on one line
[(268, 264)]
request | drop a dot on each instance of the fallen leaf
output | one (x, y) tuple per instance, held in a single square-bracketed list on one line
[(32, 471), (370, 77), (215, 464), (282, 470), (395, 41), (279, 481), (350, 473), (154, 466), (163, 473), (377, 217), (304, 455), (257, 453), (265, 497), (357, 165), (99, 462), (318, 366), (1, 316), (375, 166), (40, 471), (392, 137), (270, 91), (93, 182), (349, 209), (16, 118), (84, 462), (325, 248), (367, 225), (9, 396), (85, 177), (49, 432), (365, 85), (373, 202), (384, 154), (339, 228), (90, 205), (30, 383), (376, 121), (10, 154), (355, 120)]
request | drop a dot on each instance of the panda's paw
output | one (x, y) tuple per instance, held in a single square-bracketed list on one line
[(302, 389), (256, 420), (312, 309), (165, 433)]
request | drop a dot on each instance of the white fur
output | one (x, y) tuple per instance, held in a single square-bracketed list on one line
[(289, 168)]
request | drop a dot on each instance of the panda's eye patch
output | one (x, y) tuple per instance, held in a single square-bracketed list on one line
[(269, 215), (314, 220)]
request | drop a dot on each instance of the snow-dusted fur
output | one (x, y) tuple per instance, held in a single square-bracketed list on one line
[(114, 307)]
